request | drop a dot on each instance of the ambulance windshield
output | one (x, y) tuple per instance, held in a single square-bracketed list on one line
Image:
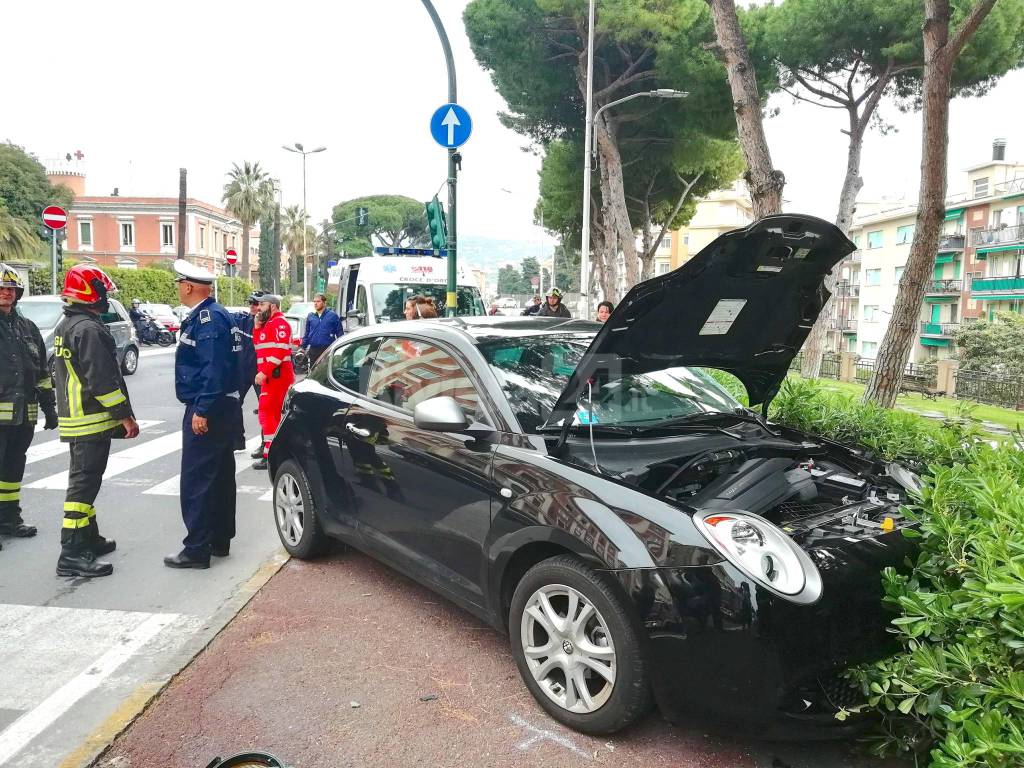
[(389, 299)]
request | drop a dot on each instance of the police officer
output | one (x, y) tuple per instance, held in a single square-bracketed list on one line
[(25, 385), (246, 324), (275, 372), (206, 376), (93, 408)]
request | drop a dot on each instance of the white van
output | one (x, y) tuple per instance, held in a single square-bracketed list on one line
[(375, 289)]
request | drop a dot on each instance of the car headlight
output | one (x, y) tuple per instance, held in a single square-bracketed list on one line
[(908, 480), (763, 553)]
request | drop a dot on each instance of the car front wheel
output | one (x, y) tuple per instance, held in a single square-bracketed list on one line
[(577, 647), (295, 513)]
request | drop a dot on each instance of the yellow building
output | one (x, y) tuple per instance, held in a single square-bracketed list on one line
[(721, 211)]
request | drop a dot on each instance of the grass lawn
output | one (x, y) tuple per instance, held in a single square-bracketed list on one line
[(947, 406)]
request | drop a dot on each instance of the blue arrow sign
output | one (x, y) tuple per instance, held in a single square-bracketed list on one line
[(451, 125)]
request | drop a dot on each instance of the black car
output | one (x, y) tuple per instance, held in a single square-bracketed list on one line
[(593, 491)]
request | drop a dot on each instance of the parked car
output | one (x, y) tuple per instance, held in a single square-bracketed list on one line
[(164, 314), (46, 312), (593, 492)]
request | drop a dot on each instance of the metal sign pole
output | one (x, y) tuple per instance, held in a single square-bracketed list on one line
[(53, 261)]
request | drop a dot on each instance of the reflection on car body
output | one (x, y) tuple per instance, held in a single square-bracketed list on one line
[(593, 492)]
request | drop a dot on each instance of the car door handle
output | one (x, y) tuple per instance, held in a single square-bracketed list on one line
[(356, 430)]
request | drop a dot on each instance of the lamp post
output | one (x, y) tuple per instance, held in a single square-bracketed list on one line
[(300, 150)]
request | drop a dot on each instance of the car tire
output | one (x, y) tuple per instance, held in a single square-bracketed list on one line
[(295, 515), (607, 627), (130, 361)]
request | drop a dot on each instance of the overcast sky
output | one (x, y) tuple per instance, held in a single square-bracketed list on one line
[(144, 88)]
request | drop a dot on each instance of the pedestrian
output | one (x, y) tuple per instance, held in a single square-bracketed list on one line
[(604, 311), (494, 310), (93, 408), (25, 385), (206, 380), (420, 308), (554, 306), (246, 324), (274, 371), (323, 326), (534, 308)]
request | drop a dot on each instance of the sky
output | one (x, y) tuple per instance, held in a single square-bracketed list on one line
[(143, 89)]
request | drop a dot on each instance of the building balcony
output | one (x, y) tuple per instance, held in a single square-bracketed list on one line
[(939, 330), (855, 257), (952, 243), (1009, 286), (944, 287), (844, 324), (998, 236), (846, 289)]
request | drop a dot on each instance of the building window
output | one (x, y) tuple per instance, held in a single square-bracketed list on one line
[(202, 239), (856, 239), (686, 238), (166, 235), (663, 267), (870, 313), (872, 277), (904, 234), (997, 218), (127, 234), (875, 239), (981, 187), (899, 274), (85, 234), (868, 348)]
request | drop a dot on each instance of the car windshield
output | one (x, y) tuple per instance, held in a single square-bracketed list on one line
[(533, 372), (301, 308), (44, 314), (389, 299)]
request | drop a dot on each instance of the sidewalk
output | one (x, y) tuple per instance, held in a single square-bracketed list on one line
[(342, 662)]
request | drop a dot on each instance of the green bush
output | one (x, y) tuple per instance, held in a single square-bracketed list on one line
[(955, 691)]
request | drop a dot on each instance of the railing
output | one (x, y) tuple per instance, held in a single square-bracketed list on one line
[(954, 242), (844, 324), (830, 366), (939, 329), (1007, 391), (864, 368), (855, 256), (997, 284), (844, 288), (998, 236), (944, 286)]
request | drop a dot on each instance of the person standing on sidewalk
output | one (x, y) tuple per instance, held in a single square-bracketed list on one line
[(274, 368), (206, 376), (92, 408), (322, 327), (25, 385), (246, 323)]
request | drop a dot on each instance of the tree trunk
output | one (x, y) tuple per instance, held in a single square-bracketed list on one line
[(764, 182), (244, 261), (182, 216), (647, 236), (940, 53), (611, 170), (610, 238)]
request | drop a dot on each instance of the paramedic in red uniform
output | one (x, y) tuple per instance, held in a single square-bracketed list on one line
[(274, 372)]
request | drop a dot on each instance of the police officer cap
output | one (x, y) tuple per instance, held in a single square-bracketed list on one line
[(183, 270)]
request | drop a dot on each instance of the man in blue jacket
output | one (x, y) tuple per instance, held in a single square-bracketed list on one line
[(322, 328)]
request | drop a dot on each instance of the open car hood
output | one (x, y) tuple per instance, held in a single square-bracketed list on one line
[(744, 304)]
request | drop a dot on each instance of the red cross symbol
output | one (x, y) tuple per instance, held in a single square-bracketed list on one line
[(78, 154)]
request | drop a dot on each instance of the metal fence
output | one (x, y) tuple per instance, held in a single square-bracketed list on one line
[(1007, 391), (830, 366)]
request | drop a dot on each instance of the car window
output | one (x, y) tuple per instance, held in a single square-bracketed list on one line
[(405, 372), (361, 300), (350, 365)]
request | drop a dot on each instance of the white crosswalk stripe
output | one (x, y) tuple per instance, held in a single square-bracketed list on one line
[(55, 447), (172, 486), (122, 461)]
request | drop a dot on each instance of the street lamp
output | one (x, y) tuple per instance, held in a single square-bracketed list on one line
[(300, 150), (660, 93)]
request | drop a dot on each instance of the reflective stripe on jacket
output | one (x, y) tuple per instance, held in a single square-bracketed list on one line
[(273, 342)]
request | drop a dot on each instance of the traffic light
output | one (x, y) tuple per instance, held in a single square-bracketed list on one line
[(60, 254), (436, 224), (362, 216)]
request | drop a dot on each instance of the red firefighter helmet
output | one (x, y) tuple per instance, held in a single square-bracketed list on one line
[(86, 284)]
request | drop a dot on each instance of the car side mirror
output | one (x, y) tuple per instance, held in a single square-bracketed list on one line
[(440, 414)]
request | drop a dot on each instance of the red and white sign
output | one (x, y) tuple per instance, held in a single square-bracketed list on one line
[(231, 256), (55, 217)]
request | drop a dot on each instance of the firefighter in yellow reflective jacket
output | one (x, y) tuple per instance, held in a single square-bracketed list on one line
[(93, 407), (25, 386)]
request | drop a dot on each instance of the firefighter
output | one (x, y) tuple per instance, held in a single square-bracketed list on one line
[(93, 408), (25, 385), (275, 374), (206, 380)]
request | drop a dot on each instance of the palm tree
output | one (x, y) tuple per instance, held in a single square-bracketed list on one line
[(17, 242), (249, 194), (294, 221)]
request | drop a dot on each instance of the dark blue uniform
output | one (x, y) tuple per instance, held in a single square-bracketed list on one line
[(206, 378), (246, 323)]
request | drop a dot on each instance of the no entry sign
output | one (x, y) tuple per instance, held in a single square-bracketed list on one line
[(55, 217), (231, 256)]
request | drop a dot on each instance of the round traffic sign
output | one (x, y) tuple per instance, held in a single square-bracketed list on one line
[(231, 256), (55, 217), (451, 125)]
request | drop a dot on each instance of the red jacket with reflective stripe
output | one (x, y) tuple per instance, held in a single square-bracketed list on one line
[(273, 342)]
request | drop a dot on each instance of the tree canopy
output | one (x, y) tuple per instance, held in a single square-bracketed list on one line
[(996, 346), (24, 192), (249, 195), (393, 221)]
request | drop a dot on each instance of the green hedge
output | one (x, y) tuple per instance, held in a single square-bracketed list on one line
[(954, 695)]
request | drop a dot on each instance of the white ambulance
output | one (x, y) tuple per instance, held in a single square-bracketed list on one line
[(374, 289)]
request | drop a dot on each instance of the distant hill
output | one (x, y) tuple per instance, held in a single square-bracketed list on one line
[(491, 254)]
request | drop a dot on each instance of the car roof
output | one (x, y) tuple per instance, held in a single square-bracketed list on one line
[(482, 329), (40, 299)]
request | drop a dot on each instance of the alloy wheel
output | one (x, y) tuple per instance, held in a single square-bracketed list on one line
[(568, 648), (288, 509), (131, 360)]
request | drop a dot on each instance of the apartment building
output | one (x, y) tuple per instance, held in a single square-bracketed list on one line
[(720, 212), (976, 272)]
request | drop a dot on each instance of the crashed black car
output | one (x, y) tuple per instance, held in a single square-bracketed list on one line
[(594, 493)]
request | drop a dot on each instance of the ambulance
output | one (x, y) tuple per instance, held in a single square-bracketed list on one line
[(374, 289)]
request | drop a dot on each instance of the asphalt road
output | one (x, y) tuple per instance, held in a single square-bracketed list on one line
[(77, 655)]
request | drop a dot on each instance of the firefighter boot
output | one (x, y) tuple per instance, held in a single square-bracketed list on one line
[(82, 563), (15, 526), (98, 544)]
